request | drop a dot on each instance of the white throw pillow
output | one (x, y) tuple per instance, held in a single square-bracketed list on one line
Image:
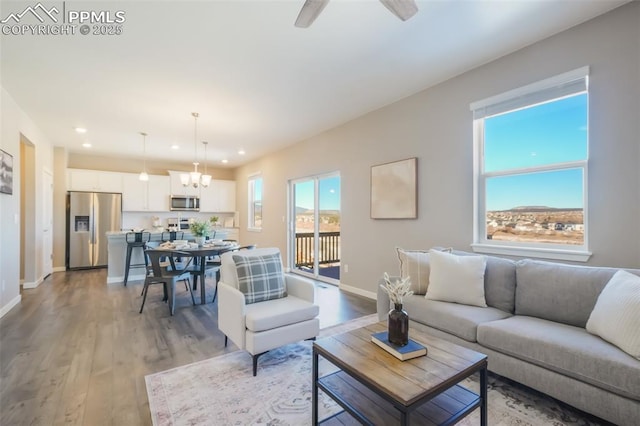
[(458, 279), (616, 316)]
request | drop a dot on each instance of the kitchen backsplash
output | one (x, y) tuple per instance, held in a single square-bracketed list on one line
[(135, 220)]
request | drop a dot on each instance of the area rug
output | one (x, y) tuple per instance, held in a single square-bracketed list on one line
[(223, 391)]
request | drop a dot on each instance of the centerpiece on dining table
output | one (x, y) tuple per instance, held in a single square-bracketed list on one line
[(200, 230)]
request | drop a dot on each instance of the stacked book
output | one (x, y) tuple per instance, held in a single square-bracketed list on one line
[(411, 350)]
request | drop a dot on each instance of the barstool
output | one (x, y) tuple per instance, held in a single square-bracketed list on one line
[(172, 236), (135, 239)]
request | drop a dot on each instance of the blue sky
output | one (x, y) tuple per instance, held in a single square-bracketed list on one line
[(329, 194), (545, 134)]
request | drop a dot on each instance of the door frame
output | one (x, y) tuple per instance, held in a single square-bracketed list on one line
[(47, 223), (291, 228)]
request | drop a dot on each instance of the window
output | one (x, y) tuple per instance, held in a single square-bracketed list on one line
[(531, 156), (255, 202)]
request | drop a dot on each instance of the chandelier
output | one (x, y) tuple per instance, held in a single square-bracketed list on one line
[(195, 178)]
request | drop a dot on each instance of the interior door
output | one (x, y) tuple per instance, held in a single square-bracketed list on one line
[(47, 223), (315, 231)]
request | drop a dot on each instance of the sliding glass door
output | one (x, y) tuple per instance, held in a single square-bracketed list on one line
[(315, 227)]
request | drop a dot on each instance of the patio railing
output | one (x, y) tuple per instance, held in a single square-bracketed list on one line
[(329, 249)]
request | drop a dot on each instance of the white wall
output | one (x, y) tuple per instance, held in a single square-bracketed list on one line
[(435, 125), (14, 123)]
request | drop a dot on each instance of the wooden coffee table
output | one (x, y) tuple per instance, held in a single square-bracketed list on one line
[(374, 387)]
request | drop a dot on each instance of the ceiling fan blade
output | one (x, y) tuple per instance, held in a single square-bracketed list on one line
[(403, 9), (309, 12)]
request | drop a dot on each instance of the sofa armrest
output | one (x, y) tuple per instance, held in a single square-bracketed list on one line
[(231, 313), (300, 287), (382, 300)]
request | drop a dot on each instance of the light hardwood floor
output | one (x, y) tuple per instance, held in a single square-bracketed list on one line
[(76, 350)]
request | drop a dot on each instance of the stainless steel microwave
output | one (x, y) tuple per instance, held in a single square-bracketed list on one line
[(185, 203)]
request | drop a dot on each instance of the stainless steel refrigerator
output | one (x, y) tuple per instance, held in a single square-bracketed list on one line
[(89, 216)]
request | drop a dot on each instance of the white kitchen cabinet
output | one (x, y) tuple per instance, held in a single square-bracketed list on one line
[(93, 180), (152, 195), (159, 193), (178, 189), (219, 197), (134, 197)]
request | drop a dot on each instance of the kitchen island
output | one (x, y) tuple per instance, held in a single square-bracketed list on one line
[(117, 254)]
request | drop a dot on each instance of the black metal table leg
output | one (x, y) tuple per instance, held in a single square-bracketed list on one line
[(483, 396), (314, 393)]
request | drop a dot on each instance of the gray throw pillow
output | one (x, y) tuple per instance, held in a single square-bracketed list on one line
[(260, 278)]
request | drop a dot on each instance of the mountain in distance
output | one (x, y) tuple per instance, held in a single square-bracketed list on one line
[(303, 210), (540, 209)]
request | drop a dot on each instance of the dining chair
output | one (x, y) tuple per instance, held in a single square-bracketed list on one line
[(168, 275)]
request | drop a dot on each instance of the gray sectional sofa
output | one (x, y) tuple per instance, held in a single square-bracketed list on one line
[(533, 332)]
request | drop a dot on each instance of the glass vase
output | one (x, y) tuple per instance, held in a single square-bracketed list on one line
[(398, 325)]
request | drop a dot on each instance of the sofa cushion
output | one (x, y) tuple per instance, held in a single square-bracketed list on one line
[(260, 278), (458, 279), (499, 281), (616, 316), (415, 264), (278, 313), (561, 293), (565, 349), (459, 320)]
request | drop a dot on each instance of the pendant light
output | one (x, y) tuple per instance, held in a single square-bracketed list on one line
[(193, 178), (143, 175), (205, 179)]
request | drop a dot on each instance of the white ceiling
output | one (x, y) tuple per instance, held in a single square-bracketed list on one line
[(258, 82)]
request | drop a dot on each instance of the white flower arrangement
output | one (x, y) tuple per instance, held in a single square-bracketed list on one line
[(397, 289)]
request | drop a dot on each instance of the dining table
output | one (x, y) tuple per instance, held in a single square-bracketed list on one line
[(200, 255)]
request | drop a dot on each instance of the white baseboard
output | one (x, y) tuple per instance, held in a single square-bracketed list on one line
[(28, 285), (111, 280), (6, 308), (59, 269), (358, 291)]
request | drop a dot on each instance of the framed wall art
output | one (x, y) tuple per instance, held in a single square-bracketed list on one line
[(394, 192), (6, 172)]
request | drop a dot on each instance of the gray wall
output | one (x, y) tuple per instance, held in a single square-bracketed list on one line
[(435, 125)]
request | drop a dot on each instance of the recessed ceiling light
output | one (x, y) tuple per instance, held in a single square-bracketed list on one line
[(81, 130), (225, 161), (241, 152), (86, 145), (175, 146)]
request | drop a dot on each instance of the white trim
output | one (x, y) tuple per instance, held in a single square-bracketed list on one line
[(553, 167), (531, 88), (542, 253), (13, 302), (59, 269), (251, 192), (120, 279), (358, 291), (31, 285)]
